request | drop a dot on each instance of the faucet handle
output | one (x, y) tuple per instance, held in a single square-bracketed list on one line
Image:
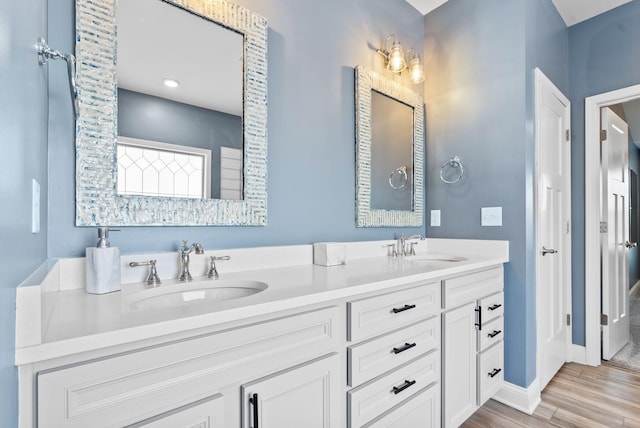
[(152, 278), (213, 271), (391, 250), (412, 249)]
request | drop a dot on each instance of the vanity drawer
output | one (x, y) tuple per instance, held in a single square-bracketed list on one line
[(378, 396), (491, 307), (491, 332), (467, 288), (422, 410), (376, 315), (376, 356), (490, 372), (139, 385)]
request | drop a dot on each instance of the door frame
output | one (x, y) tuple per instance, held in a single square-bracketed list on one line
[(541, 79), (592, 250)]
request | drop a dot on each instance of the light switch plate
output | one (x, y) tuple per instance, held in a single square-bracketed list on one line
[(435, 218), (35, 206), (491, 216)]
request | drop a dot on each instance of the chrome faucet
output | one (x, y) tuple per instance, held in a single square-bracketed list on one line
[(184, 251), (401, 244)]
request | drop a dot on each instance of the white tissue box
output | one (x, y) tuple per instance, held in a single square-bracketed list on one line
[(329, 254)]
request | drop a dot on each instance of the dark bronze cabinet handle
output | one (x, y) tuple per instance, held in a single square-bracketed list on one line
[(494, 307), (403, 348), (405, 385), (253, 400), (402, 309), (494, 333), (479, 312), (494, 372)]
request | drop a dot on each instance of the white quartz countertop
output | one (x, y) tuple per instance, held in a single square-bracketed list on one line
[(74, 321)]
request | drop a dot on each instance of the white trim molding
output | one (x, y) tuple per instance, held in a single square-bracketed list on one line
[(523, 399), (578, 354), (592, 270)]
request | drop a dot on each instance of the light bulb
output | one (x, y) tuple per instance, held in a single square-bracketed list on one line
[(416, 73), (397, 61)]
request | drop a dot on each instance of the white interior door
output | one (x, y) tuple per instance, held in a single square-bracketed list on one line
[(553, 232), (615, 251)]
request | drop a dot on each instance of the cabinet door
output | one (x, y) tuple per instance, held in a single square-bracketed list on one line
[(303, 396), (207, 413), (459, 364)]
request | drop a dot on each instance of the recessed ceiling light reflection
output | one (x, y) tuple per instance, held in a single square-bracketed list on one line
[(170, 83)]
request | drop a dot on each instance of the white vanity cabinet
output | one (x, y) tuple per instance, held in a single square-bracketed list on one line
[(394, 358), (473, 351), (197, 382)]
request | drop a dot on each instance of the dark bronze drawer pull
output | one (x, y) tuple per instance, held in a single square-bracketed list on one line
[(404, 348), (494, 333), (402, 309), (494, 372), (405, 385), (494, 307)]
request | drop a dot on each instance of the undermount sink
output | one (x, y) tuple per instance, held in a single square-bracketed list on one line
[(181, 294), (426, 258)]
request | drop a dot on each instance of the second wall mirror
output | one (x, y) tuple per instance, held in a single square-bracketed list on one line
[(389, 152)]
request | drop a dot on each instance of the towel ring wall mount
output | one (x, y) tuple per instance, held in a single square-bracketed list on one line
[(452, 168)]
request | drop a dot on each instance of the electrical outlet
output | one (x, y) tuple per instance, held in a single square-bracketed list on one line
[(435, 218), (491, 216)]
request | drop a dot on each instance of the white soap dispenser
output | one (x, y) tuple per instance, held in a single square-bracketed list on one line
[(103, 265)]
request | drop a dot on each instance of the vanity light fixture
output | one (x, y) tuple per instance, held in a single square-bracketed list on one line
[(394, 58), (170, 83), (396, 61)]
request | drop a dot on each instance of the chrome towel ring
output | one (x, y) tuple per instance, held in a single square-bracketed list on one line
[(398, 178), (454, 164)]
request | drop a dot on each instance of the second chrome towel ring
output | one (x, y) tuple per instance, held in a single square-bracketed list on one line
[(452, 169), (398, 178)]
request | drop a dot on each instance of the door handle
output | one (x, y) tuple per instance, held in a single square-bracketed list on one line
[(630, 244), (546, 251)]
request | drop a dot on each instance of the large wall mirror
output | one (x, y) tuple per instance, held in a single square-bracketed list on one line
[(389, 152), (173, 103)]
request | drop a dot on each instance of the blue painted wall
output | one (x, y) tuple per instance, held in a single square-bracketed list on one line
[(479, 96), (23, 153), (604, 54), (177, 123), (313, 47)]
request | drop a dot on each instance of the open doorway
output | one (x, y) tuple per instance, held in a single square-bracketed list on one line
[(611, 227)]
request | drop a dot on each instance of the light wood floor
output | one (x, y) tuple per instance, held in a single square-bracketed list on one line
[(578, 396)]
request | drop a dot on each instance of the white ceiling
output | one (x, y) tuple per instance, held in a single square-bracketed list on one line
[(572, 11), (157, 40)]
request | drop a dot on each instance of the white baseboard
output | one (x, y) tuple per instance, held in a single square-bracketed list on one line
[(523, 399), (579, 354)]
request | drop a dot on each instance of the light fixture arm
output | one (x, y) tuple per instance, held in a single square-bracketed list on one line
[(45, 53)]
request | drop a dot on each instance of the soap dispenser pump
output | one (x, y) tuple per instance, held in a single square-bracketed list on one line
[(103, 265)]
